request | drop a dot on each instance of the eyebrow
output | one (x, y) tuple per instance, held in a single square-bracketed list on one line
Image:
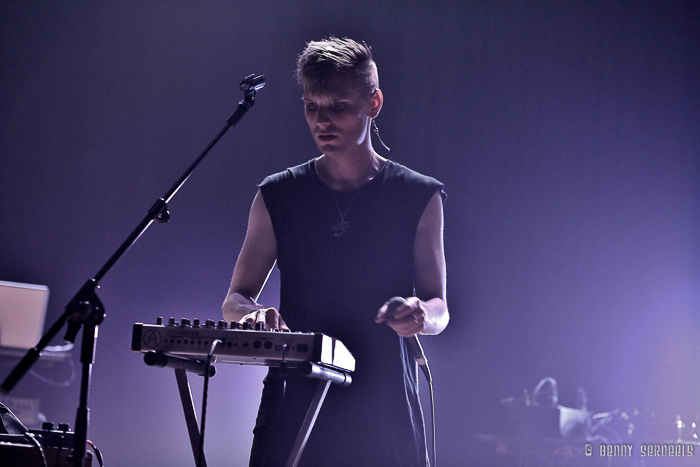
[(337, 99)]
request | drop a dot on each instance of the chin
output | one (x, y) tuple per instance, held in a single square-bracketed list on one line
[(328, 148)]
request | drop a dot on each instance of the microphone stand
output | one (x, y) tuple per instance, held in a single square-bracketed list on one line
[(85, 308)]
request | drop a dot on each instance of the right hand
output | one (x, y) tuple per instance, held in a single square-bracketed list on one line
[(270, 317), (407, 319)]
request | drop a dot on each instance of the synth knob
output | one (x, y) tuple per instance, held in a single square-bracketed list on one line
[(159, 321), (195, 323), (47, 426), (172, 322), (235, 325), (63, 427), (184, 323), (259, 326), (209, 323), (247, 326), (222, 324)]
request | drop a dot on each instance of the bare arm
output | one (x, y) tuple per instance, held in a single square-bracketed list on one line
[(426, 313), (255, 261)]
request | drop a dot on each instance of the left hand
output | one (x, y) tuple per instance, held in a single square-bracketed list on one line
[(407, 320)]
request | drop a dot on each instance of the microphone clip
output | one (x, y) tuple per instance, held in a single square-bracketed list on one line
[(251, 84)]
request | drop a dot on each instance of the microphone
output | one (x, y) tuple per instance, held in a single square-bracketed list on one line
[(252, 83), (412, 342)]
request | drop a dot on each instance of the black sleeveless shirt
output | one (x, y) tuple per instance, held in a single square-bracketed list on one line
[(334, 282)]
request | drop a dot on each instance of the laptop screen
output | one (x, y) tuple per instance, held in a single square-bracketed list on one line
[(22, 314)]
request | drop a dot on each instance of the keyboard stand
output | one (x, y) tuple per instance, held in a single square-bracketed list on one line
[(183, 386), (308, 424), (324, 374)]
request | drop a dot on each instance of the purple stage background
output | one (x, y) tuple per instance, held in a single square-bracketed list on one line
[(567, 134)]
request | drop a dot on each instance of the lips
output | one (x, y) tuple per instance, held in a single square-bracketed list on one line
[(326, 137)]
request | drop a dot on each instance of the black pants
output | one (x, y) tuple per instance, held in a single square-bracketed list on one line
[(283, 407), (350, 430)]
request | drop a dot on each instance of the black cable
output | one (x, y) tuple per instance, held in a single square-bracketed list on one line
[(97, 452), (283, 372), (428, 376), (283, 367), (30, 436)]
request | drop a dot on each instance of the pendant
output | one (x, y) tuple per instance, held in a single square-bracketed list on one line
[(341, 228)]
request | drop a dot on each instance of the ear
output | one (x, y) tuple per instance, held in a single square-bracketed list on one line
[(376, 100)]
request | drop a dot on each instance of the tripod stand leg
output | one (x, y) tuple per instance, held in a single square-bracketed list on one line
[(190, 416), (308, 424)]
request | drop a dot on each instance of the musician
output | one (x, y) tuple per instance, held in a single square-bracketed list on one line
[(348, 230)]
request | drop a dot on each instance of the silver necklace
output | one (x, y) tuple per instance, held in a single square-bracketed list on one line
[(342, 227)]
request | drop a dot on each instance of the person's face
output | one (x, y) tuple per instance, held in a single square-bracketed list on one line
[(339, 117)]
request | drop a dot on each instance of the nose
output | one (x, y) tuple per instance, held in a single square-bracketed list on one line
[(323, 117)]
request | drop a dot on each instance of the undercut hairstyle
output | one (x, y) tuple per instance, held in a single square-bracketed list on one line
[(321, 60)]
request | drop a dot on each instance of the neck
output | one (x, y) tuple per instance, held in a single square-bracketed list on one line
[(342, 173)]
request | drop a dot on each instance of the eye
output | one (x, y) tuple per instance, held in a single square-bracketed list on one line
[(310, 107), (339, 106)]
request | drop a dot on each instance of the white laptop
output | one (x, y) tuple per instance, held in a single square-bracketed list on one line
[(22, 314)]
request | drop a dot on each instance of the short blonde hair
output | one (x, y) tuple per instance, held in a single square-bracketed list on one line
[(325, 58)]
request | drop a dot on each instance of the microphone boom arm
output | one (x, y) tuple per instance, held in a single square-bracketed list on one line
[(85, 308)]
